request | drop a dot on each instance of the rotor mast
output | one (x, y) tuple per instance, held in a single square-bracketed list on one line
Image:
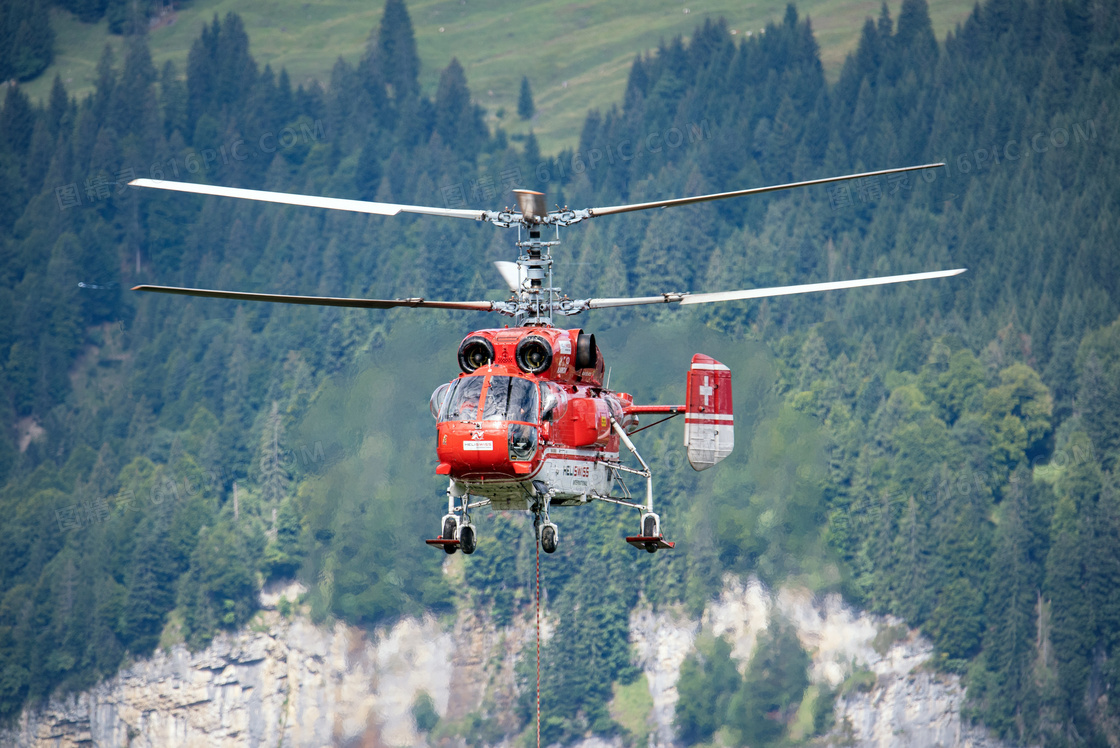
[(537, 294)]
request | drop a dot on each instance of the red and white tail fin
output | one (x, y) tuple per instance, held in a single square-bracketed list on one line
[(709, 424)]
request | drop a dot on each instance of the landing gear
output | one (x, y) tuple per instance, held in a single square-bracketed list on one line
[(449, 538), (458, 532), (549, 538), (650, 525), (650, 538), (547, 533)]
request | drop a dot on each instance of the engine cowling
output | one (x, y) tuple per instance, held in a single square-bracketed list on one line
[(567, 356)]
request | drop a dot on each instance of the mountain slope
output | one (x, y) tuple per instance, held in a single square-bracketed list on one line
[(575, 57)]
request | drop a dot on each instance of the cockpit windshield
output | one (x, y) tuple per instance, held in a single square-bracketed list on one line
[(461, 403), (510, 399)]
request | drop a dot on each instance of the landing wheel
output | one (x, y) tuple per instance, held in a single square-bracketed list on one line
[(649, 536), (448, 534), (467, 539), (649, 530), (549, 538)]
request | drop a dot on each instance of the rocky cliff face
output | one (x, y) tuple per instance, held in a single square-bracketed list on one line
[(288, 682), (898, 701)]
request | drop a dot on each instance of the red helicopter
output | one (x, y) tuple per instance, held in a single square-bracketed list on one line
[(531, 423)]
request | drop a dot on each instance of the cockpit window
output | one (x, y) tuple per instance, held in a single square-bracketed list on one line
[(461, 404), (510, 399)]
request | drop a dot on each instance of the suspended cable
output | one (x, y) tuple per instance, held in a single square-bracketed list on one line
[(538, 546)]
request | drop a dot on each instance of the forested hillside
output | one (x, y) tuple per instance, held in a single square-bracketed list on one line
[(945, 452)]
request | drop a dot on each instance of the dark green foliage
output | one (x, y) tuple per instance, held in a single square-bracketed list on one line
[(708, 681), (458, 122), (501, 576), (220, 74), (525, 107), (26, 39), (591, 600), (1098, 396), (1013, 600), (219, 590), (395, 52), (424, 712), (284, 554), (772, 687)]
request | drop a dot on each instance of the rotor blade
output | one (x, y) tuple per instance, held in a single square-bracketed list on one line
[(482, 306), (310, 201), (511, 274), (761, 293), (752, 191)]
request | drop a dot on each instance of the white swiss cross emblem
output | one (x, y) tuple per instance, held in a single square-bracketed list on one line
[(706, 391)]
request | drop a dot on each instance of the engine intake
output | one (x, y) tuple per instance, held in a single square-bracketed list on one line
[(474, 352), (534, 354)]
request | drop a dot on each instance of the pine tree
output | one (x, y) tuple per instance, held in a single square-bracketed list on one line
[(914, 39), (284, 554), (1098, 395), (219, 591), (458, 122), (367, 177), (1067, 572), (151, 581), (58, 107), (397, 59), (26, 38), (274, 478), (707, 682), (17, 121), (773, 685), (173, 100), (1014, 582), (220, 71), (525, 107)]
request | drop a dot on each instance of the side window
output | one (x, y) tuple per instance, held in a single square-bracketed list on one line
[(554, 402)]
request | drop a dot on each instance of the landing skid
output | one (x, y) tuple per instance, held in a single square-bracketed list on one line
[(649, 542), (449, 545)]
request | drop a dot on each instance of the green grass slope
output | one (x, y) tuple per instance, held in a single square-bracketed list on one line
[(576, 55)]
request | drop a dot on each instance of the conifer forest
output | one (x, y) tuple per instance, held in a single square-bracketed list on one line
[(947, 452)]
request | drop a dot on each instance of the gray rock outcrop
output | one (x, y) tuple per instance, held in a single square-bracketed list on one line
[(288, 682)]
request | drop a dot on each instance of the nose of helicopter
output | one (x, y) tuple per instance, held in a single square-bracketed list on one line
[(486, 449)]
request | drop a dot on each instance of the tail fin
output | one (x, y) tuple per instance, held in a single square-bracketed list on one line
[(709, 425)]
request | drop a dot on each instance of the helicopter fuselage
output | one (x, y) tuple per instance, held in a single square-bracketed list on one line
[(530, 414)]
